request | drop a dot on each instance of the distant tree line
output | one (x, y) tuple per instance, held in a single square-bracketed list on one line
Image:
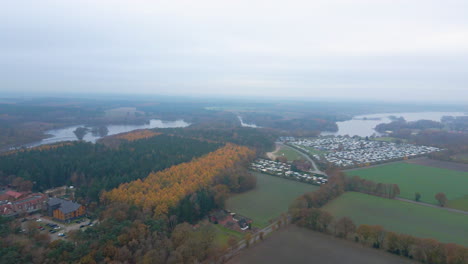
[(313, 122), (402, 124), (338, 183), (358, 184), (458, 123), (261, 140)]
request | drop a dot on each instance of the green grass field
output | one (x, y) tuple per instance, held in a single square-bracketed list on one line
[(269, 199), (315, 151), (289, 153), (460, 203), (223, 234), (413, 178), (460, 158), (402, 217)]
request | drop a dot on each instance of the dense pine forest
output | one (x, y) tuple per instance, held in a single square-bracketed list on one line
[(96, 167), (259, 139)]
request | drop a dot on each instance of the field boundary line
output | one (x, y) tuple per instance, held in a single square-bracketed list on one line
[(433, 206)]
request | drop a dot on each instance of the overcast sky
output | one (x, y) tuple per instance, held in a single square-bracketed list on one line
[(356, 49)]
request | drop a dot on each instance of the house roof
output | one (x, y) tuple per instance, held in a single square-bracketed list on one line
[(65, 205), (14, 194), (4, 197), (34, 198)]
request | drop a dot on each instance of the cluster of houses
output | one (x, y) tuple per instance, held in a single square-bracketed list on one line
[(284, 170), (286, 139), (15, 204), (352, 152), (230, 220)]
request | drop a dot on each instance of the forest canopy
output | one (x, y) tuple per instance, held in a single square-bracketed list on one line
[(96, 167), (162, 190)]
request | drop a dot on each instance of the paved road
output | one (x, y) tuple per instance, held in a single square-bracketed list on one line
[(315, 168), (431, 205)]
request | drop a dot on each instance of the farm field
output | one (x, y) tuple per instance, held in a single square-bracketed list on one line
[(412, 178), (269, 199), (402, 217), (300, 245), (450, 165), (460, 203)]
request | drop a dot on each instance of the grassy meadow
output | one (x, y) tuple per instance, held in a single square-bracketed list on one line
[(402, 217), (315, 151), (460, 203), (223, 234), (269, 199), (412, 178), (288, 153)]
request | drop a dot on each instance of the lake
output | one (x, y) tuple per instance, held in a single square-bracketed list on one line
[(363, 125), (66, 134)]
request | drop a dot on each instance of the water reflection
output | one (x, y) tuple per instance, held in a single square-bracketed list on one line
[(363, 125), (66, 134)]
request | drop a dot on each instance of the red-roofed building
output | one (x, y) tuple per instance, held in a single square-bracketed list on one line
[(4, 197), (15, 195), (28, 204)]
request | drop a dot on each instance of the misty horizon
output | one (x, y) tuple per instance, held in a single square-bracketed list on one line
[(326, 50)]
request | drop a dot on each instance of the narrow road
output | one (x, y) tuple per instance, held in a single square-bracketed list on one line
[(315, 168), (431, 205)]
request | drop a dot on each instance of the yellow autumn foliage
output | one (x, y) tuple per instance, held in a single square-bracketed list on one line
[(163, 190), (137, 134)]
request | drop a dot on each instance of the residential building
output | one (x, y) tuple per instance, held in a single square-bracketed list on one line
[(13, 203), (65, 210)]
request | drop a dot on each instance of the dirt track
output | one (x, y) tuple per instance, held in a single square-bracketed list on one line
[(433, 206), (272, 155), (299, 245)]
